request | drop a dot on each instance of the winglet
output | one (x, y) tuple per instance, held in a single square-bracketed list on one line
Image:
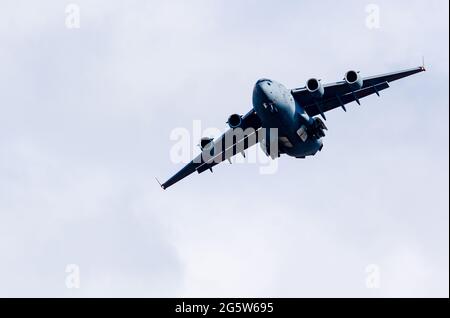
[(423, 64), (161, 185)]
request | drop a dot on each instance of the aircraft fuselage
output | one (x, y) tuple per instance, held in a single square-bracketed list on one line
[(277, 108)]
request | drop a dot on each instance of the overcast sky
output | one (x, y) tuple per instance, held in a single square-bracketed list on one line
[(85, 120)]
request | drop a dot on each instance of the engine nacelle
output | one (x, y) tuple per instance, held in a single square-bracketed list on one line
[(315, 87), (206, 143), (234, 121), (319, 127), (354, 80)]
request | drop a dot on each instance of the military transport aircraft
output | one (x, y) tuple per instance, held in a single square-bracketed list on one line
[(286, 121)]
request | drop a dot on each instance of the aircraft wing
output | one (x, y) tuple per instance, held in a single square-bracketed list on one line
[(340, 93), (221, 149)]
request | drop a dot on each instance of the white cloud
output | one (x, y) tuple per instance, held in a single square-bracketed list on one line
[(84, 126)]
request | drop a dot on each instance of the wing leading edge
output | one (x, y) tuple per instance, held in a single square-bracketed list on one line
[(340, 93)]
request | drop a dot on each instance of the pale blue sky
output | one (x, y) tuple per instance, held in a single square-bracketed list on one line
[(85, 118)]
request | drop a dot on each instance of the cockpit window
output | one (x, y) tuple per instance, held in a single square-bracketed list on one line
[(264, 80)]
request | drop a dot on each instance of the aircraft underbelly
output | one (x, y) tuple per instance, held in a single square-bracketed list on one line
[(287, 124), (305, 149)]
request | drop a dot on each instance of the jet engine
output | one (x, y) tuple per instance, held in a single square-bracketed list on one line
[(315, 87), (318, 128), (354, 80), (234, 121), (206, 142)]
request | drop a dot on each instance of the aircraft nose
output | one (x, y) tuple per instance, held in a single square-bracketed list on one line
[(261, 89), (262, 96)]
